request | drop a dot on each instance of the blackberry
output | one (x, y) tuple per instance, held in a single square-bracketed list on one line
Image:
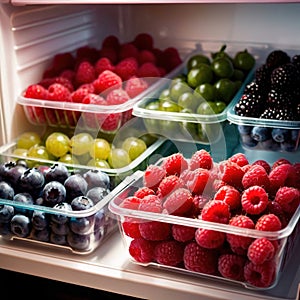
[(279, 99), (284, 77), (263, 75), (273, 113), (257, 89), (296, 60), (277, 58), (248, 106)]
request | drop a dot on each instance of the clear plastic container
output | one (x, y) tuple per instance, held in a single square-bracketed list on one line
[(192, 127), (284, 239)]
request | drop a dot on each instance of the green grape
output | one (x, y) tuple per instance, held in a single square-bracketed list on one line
[(58, 144), (118, 158), (28, 139), (20, 152), (99, 163), (134, 146), (69, 159), (81, 143), (100, 149), (36, 152)]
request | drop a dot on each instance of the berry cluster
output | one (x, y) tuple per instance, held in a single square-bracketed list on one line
[(111, 75), (252, 196), (57, 188)]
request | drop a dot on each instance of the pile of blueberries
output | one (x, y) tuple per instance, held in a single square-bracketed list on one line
[(45, 204), (267, 138)]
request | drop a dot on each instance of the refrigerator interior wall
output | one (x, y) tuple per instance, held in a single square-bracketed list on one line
[(33, 34)]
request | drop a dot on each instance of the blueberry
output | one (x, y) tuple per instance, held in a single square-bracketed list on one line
[(270, 145), (40, 235), (61, 218), (75, 186), (295, 135), (96, 178), (32, 181), (82, 225), (81, 203), (60, 229), (96, 194), (248, 141), (260, 134), (13, 175), (244, 129), (6, 213), (23, 198), (5, 228), (100, 219), (53, 193), (280, 134), (78, 241), (58, 172), (6, 191), (288, 146), (4, 167), (40, 220), (20, 225), (58, 239)]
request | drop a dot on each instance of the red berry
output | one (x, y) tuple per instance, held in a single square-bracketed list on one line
[(232, 266), (254, 200), (146, 56), (107, 81), (135, 86), (183, 233), (127, 68), (80, 93), (117, 96), (130, 227), (103, 64), (175, 164), (109, 52), (85, 73), (210, 239), (143, 41), (58, 92), (260, 251), (111, 41), (198, 181), (240, 159), (199, 259), (201, 159), (169, 253), (151, 203), (109, 122), (256, 175), (268, 222), (216, 211), (143, 191), (142, 250), (127, 50), (280, 161), (148, 69), (288, 198), (178, 202), (231, 173), (155, 231), (229, 195), (132, 202), (36, 91), (264, 164), (153, 175), (169, 184)]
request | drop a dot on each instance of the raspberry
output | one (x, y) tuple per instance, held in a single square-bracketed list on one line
[(103, 64), (155, 231), (264, 164), (198, 259), (232, 266), (153, 175), (151, 203), (229, 195), (283, 175), (183, 233), (148, 69), (132, 202), (240, 159), (85, 73), (135, 86), (68, 74), (260, 275), (107, 81), (254, 200), (146, 56), (175, 164), (87, 53), (110, 53), (92, 98), (288, 198), (36, 91), (198, 203), (178, 202), (171, 59), (169, 184), (279, 162), (127, 50), (198, 181), (127, 68), (143, 41), (256, 175), (117, 96), (231, 173), (268, 222), (111, 41), (131, 227), (63, 61), (169, 253), (260, 251), (216, 211), (78, 95), (143, 191), (46, 82), (58, 92), (210, 239), (201, 159), (142, 250), (111, 122), (239, 244)]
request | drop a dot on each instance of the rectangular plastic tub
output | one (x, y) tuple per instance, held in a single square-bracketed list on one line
[(191, 126), (102, 117), (138, 246)]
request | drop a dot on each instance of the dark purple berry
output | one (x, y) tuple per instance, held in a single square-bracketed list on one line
[(75, 186), (39, 220), (61, 218), (96, 194), (20, 225), (57, 172), (6, 191), (6, 213), (53, 193), (96, 178)]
